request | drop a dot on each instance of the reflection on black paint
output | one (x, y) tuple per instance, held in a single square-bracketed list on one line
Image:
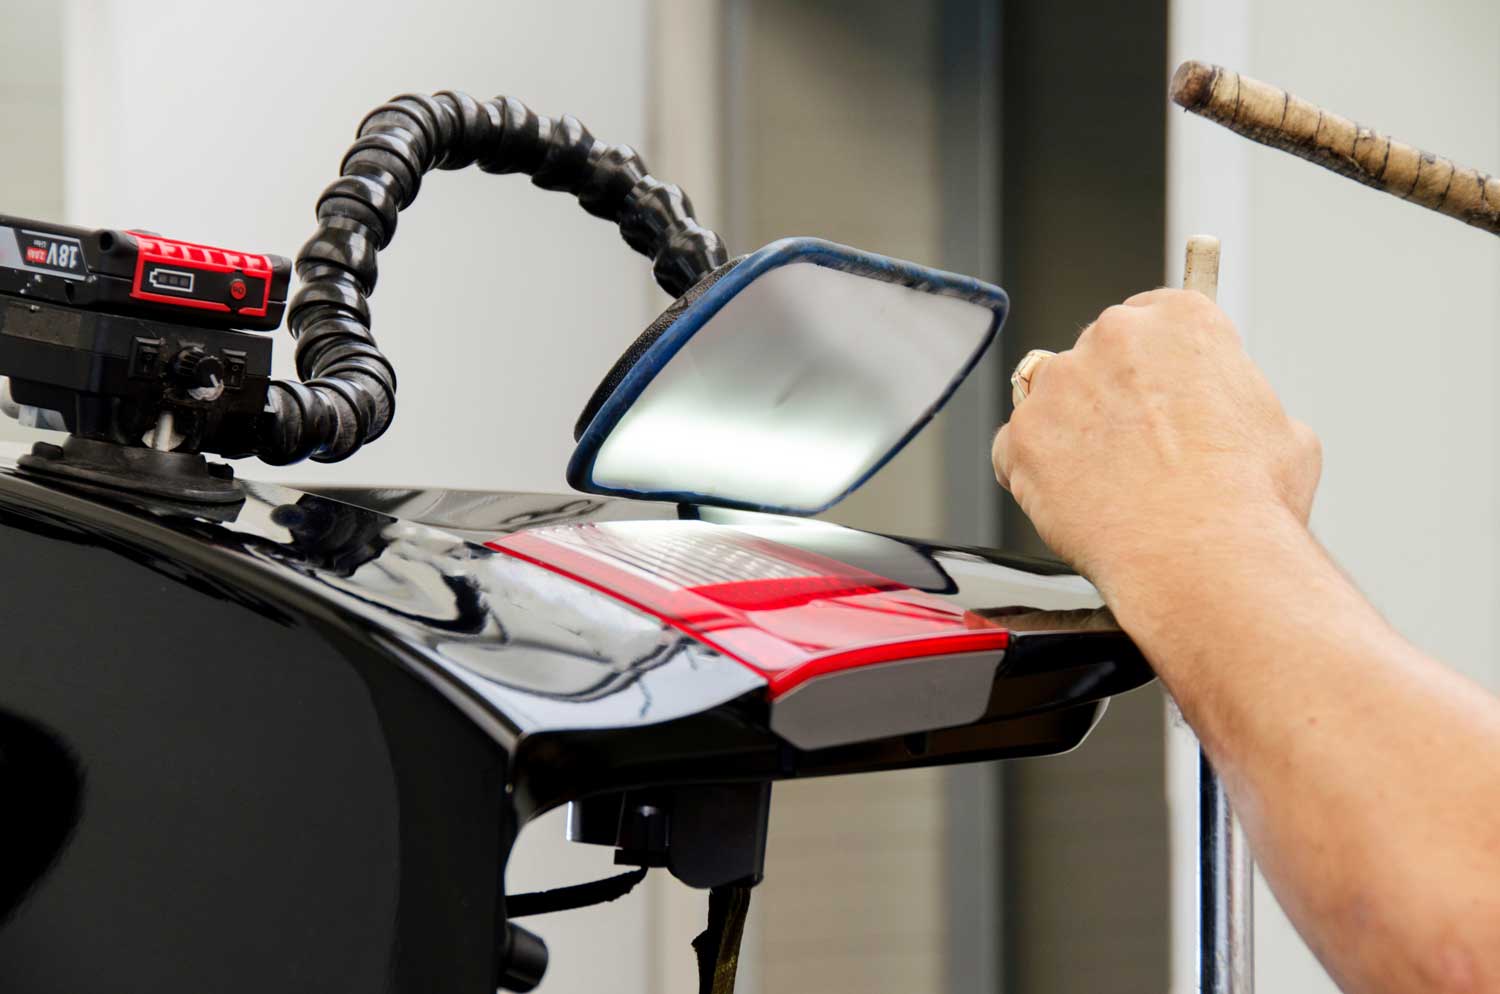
[(332, 537), (479, 621)]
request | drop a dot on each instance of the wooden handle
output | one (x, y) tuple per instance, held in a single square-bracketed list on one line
[(1201, 272), (1272, 116)]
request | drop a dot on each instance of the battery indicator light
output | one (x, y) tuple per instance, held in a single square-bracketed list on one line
[(173, 280)]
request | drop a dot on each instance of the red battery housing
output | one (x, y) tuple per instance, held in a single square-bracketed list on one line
[(141, 274)]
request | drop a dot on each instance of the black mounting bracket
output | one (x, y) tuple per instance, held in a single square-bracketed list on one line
[(706, 835)]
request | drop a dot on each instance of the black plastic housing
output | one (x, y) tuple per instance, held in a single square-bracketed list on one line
[(110, 376)]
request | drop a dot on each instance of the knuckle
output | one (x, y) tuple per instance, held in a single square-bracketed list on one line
[(1050, 373), (1018, 442), (998, 447), (1148, 297), (1110, 329), (1020, 488), (1209, 316), (1025, 448)]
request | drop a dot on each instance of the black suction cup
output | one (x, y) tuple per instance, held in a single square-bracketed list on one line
[(180, 476)]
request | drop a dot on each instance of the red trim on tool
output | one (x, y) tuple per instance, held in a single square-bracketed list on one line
[(203, 258), (788, 628)]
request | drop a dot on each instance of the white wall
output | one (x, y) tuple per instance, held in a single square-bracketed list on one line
[(31, 121), (30, 108), (1341, 293), (500, 305)]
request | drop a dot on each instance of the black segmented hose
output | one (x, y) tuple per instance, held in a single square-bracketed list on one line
[(347, 393)]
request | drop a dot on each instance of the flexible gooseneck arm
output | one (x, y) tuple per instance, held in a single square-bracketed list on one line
[(347, 393)]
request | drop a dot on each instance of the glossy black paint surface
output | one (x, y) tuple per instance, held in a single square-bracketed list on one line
[(257, 804), (286, 746)]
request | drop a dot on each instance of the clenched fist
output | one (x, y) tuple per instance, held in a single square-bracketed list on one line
[(1155, 427)]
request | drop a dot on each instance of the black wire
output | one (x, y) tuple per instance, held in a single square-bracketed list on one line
[(545, 902), (347, 393)]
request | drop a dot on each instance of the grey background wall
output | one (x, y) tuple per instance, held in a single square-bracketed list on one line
[(31, 105), (31, 110), (1085, 843)]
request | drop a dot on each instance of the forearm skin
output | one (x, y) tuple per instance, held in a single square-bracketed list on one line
[(1367, 774)]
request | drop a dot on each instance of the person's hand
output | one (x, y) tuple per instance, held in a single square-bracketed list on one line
[(1153, 428)]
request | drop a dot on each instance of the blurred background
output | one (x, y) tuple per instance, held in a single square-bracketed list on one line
[(1024, 142)]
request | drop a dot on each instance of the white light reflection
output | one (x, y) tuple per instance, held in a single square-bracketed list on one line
[(798, 387)]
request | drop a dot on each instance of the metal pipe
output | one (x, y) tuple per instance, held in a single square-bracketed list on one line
[(1226, 892), (1226, 874)]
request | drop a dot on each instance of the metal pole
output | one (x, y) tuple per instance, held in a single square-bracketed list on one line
[(1226, 874), (1226, 892)]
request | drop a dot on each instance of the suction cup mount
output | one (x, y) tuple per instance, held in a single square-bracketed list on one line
[(181, 476)]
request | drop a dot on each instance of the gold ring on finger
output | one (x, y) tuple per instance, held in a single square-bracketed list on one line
[(1020, 380)]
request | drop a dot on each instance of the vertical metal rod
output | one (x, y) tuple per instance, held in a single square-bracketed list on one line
[(1226, 874), (1226, 892)]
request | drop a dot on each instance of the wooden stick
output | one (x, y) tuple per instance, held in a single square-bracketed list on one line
[(1201, 272), (1274, 117)]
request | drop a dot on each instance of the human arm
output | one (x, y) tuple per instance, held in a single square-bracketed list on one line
[(1156, 459)]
